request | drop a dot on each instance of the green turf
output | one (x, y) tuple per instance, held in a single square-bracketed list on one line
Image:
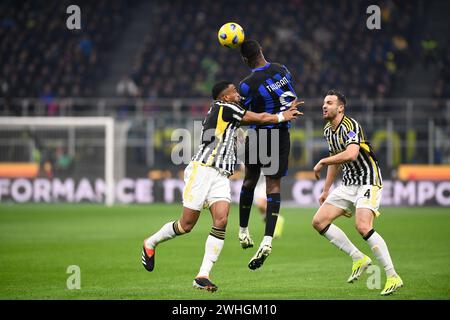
[(39, 242)]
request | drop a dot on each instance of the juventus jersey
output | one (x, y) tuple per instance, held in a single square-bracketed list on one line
[(218, 138), (365, 169)]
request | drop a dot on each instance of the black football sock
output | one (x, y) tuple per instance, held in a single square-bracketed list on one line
[(245, 205), (273, 208)]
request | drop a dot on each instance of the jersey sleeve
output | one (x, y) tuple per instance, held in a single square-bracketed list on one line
[(244, 91), (353, 133), (232, 112)]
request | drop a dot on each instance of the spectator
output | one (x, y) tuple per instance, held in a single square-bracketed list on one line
[(126, 87), (429, 51)]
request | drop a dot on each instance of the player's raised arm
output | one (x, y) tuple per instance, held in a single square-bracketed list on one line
[(268, 118)]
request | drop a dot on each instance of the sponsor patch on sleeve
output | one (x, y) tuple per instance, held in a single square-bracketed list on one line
[(351, 134)]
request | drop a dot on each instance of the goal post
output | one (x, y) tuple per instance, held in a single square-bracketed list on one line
[(16, 125)]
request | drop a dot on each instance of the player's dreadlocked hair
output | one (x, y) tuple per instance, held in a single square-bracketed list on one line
[(340, 96), (250, 49), (219, 87)]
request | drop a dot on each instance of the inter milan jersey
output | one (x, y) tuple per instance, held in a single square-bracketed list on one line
[(365, 169), (218, 138), (268, 89)]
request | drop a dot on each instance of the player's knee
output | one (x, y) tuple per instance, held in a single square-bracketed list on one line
[(187, 226), (273, 189), (363, 228), (273, 185), (221, 222), (250, 183), (318, 224)]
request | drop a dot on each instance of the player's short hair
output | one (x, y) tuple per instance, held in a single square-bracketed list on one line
[(219, 87), (250, 49), (340, 96)]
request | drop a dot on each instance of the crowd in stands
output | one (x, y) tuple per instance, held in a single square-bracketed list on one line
[(442, 87), (323, 43), (41, 57)]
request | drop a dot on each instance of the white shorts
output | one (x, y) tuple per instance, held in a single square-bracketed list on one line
[(260, 189), (204, 186), (354, 196)]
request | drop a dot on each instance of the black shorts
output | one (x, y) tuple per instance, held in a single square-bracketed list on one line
[(259, 149)]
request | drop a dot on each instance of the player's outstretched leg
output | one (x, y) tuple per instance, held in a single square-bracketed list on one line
[(265, 248), (364, 225), (245, 204), (213, 246), (168, 231), (381, 252), (273, 209), (322, 223), (360, 261)]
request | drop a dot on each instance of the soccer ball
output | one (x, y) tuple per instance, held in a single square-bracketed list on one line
[(231, 35)]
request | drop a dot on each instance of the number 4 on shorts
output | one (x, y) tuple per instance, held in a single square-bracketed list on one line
[(367, 194)]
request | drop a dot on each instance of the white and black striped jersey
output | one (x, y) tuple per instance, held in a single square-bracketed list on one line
[(218, 138), (365, 169)]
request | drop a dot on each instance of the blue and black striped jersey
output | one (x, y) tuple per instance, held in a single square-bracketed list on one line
[(268, 89)]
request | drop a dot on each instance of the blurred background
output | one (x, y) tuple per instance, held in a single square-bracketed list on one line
[(88, 115)]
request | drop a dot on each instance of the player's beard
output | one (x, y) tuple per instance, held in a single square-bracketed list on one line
[(330, 115)]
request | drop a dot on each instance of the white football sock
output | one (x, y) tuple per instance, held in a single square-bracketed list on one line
[(340, 240), (213, 247), (267, 240), (381, 252), (243, 230), (164, 234)]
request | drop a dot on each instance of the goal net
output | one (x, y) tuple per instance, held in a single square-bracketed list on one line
[(57, 159)]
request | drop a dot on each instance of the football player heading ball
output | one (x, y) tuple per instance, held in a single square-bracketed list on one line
[(268, 88)]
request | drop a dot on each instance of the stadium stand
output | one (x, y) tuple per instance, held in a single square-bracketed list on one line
[(39, 58), (299, 34), (178, 57)]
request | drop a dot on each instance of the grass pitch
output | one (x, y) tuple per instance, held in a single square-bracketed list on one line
[(39, 242)]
